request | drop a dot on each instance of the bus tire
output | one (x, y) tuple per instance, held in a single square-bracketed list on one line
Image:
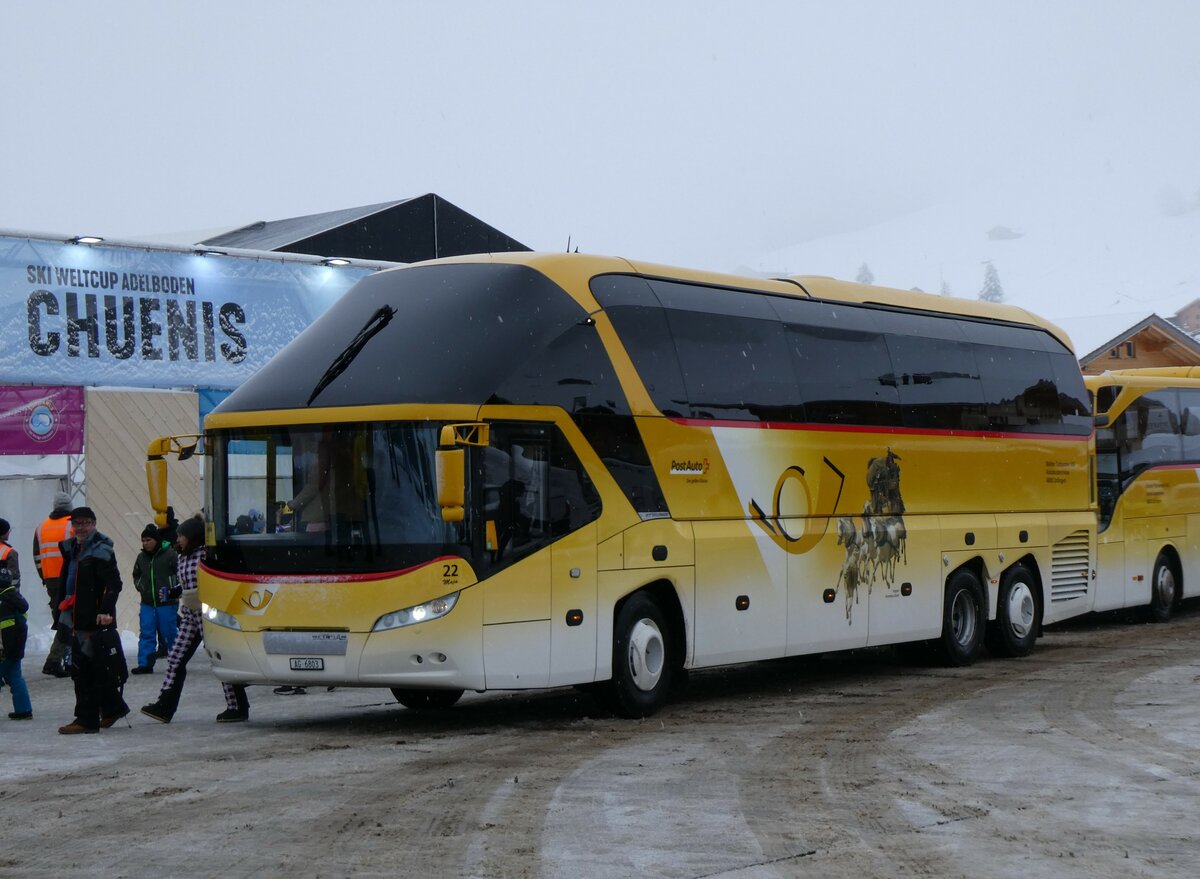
[(1018, 614), (963, 619), (426, 700), (1164, 590), (642, 669)]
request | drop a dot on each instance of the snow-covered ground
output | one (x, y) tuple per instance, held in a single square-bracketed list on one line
[(1077, 761)]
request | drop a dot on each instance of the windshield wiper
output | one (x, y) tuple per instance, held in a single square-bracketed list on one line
[(341, 363)]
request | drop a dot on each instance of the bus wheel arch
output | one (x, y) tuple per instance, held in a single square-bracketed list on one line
[(647, 650), (1166, 585), (964, 616), (1019, 610)]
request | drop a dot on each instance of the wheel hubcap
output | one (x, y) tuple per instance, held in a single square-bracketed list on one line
[(1166, 586), (962, 618), (1020, 609), (647, 655)]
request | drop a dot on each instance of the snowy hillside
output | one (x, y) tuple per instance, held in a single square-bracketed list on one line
[(1069, 247)]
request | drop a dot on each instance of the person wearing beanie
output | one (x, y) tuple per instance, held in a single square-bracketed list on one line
[(46, 558), (154, 577), (13, 629), (190, 545), (91, 584)]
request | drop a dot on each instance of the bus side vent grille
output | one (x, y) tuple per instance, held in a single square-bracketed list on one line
[(1069, 568)]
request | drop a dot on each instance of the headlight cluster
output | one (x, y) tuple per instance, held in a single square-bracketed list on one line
[(219, 617), (419, 613)]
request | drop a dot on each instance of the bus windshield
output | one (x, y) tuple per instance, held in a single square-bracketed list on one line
[(326, 499)]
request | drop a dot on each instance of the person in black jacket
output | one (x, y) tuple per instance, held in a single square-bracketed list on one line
[(13, 628), (91, 585)]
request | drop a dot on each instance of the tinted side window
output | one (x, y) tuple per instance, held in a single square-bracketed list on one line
[(1073, 402), (638, 318), (617, 441), (935, 372), (1018, 388), (1147, 433), (731, 351), (573, 371), (1189, 423), (734, 367), (843, 371)]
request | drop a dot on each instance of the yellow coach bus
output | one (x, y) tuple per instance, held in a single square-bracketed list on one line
[(530, 470), (1148, 479)]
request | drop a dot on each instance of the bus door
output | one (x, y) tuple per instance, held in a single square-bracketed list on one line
[(1147, 436), (1111, 580), (538, 512)]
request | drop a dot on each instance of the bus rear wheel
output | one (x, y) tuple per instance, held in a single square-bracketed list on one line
[(426, 700), (1164, 590), (962, 619), (642, 669), (1018, 614)]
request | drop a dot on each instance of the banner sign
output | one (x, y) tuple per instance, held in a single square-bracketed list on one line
[(128, 316), (41, 420)]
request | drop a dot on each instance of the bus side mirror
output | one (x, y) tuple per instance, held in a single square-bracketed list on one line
[(1101, 421), (156, 485), (451, 465), (450, 461)]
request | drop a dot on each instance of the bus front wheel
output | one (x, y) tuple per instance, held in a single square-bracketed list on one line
[(1018, 614), (426, 700), (642, 670), (1164, 590), (962, 619)]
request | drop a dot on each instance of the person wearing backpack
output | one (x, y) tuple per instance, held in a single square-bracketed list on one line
[(154, 577), (13, 629)]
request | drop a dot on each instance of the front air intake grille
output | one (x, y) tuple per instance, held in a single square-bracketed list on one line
[(1069, 568)]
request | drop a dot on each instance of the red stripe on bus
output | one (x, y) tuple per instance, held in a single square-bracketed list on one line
[(859, 428), (322, 578)]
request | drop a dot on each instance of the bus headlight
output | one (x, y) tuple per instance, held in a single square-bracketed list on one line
[(419, 613), (219, 617)]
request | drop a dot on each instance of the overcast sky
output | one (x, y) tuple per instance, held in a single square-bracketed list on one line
[(691, 133)]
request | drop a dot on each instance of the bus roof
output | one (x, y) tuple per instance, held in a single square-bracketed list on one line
[(572, 271)]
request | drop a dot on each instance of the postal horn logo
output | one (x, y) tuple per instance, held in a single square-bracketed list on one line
[(41, 420)]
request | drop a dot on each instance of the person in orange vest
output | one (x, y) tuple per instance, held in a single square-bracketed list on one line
[(48, 560)]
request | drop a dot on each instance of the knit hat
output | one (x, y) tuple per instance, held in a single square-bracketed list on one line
[(4, 528), (150, 531), (193, 530), (62, 502)]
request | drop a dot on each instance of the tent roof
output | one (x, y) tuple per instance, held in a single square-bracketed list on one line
[(408, 230)]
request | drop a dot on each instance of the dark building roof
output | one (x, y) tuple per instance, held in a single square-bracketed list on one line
[(409, 230)]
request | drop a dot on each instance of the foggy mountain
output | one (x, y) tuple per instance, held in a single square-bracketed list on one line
[(1075, 245)]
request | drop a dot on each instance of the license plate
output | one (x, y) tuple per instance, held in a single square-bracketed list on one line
[(306, 663)]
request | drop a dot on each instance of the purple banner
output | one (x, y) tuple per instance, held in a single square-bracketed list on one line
[(41, 420)]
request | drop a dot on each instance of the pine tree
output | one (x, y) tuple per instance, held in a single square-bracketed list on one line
[(992, 291), (864, 275)]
